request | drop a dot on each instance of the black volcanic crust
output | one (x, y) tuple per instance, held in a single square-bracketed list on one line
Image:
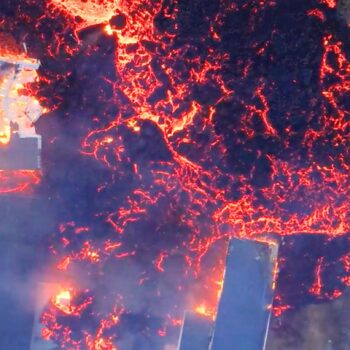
[(118, 21), (277, 44)]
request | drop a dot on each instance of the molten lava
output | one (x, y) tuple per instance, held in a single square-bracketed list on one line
[(180, 125), (87, 12), (64, 302), (18, 109)]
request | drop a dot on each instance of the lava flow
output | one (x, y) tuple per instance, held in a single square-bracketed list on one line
[(19, 181), (172, 126)]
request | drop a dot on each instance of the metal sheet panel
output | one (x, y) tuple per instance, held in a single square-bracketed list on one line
[(21, 154), (195, 333), (244, 308)]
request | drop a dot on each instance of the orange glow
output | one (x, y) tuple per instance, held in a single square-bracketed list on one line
[(109, 30), (317, 13), (14, 105), (279, 310), (274, 274), (64, 302), (159, 262), (10, 51), (91, 11), (98, 341), (46, 333), (87, 253), (330, 3), (346, 262), (175, 121), (100, 344), (220, 285), (346, 280), (205, 311), (63, 265), (316, 288), (197, 176), (19, 181), (5, 135)]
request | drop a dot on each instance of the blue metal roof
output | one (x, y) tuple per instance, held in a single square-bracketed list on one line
[(244, 312)]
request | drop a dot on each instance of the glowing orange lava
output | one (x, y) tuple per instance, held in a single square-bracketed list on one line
[(19, 181), (162, 83), (64, 302), (205, 311), (91, 12)]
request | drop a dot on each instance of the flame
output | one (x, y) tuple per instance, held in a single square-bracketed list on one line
[(202, 309), (63, 301), (100, 344), (5, 134)]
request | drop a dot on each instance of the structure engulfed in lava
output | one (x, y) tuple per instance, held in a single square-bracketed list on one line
[(179, 125), (17, 106)]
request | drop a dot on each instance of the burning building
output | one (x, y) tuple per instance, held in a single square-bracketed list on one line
[(245, 305), (20, 146)]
